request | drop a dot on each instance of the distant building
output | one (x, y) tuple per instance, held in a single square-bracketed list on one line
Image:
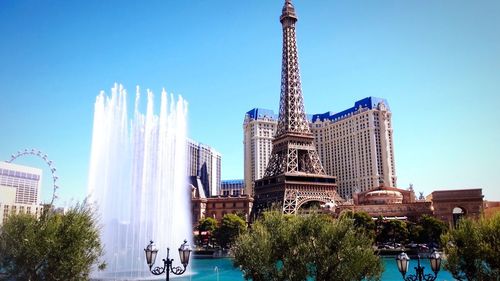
[(451, 205), (198, 200), (217, 206), (7, 209), (259, 128), (22, 181), (355, 145), (395, 203), (204, 162), (20, 190), (232, 187), (491, 208), (389, 203)]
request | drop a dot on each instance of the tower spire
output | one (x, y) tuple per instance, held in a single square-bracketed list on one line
[(292, 117)]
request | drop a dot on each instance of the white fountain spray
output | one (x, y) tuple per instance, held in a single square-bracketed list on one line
[(137, 178)]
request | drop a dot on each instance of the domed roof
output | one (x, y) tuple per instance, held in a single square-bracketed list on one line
[(384, 196), (389, 193)]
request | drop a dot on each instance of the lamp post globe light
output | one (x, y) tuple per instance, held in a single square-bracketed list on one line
[(184, 252), (403, 261)]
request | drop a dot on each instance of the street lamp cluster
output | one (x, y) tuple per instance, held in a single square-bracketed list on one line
[(184, 252), (403, 261)]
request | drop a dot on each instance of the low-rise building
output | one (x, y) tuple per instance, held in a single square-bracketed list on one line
[(203, 206), (389, 202)]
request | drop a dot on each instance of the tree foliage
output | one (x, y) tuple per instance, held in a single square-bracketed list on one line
[(230, 227), (393, 230), (415, 233), (54, 247), (283, 247), (473, 249), (363, 221), (207, 224), (432, 228), (427, 229), (206, 227)]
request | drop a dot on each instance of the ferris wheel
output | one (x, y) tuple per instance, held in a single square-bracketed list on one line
[(44, 157)]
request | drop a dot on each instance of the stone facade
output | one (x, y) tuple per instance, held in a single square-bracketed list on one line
[(491, 208), (450, 205), (389, 202), (218, 206)]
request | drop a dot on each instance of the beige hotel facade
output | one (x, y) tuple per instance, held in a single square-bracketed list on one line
[(355, 145), (20, 190)]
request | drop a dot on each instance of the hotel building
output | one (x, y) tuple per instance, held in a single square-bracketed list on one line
[(20, 190), (355, 145), (259, 128), (204, 162)]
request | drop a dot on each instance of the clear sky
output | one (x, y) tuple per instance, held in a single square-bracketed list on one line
[(436, 62)]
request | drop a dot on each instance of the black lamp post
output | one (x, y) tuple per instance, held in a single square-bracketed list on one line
[(151, 252), (403, 261)]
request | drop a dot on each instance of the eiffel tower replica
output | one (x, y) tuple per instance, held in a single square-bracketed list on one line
[(294, 175)]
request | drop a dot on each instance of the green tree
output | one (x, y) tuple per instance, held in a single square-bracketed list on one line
[(379, 228), (230, 227), (490, 233), (54, 247), (293, 248), (415, 232), (473, 249), (394, 230), (361, 220), (432, 228), (364, 221), (207, 225)]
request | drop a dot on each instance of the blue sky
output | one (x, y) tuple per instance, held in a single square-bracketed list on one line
[(436, 62)]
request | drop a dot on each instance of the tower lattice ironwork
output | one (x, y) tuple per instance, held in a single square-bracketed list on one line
[(294, 175)]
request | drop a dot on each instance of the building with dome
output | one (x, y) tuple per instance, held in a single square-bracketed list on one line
[(389, 202), (396, 203), (384, 196)]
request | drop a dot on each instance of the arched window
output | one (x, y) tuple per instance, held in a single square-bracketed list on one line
[(458, 213)]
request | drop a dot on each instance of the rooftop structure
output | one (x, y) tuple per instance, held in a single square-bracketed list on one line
[(366, 103), (232, 187)]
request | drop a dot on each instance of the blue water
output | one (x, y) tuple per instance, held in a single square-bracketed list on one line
[(208, 269)]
